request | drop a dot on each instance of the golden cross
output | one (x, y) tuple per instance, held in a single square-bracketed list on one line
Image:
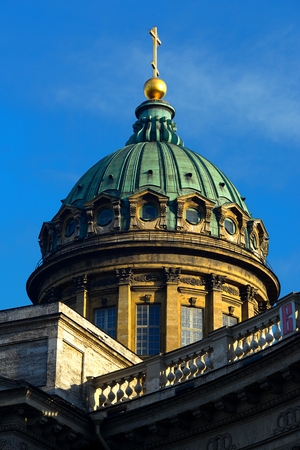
[(156, 41)]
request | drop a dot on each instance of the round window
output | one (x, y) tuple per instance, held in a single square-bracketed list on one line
[(193, 216), (105, 216), (70, 228), (148, 212), (230, 226)]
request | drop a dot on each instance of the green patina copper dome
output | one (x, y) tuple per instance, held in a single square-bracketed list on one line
[(155, 158)]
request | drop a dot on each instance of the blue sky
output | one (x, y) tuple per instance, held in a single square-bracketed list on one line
[(72, 74)]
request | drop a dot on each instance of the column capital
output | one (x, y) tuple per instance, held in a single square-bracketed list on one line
[(215, 282), (247, 293), (81, 283), (172, 274), (124, 275)]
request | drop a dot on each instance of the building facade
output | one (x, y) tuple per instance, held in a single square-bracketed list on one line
[(155, 320)]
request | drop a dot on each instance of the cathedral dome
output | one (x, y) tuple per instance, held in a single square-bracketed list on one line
[(155, 229), (155, 158)]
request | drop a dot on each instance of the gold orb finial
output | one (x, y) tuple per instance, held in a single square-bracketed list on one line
[(155, 89)]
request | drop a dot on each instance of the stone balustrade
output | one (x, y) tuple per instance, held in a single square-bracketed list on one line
[(224, 346)]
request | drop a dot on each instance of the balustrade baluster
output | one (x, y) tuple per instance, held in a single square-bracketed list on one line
[(129, 390), (138, 387), (276, 332), (111, 395), (102, 396), (193, 367), (200, 364), (120, 392), (239, 350)]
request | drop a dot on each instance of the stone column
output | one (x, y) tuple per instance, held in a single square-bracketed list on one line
[(81, 290), (214, 314), (173, 313), (247, 294), (125, 330)]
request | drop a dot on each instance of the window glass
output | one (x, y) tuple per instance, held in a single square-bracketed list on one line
[(148, 212), (105, 216), (148, 329), (70, 228), (193, 216), (191, 325), (229, 321), (230, 226), (105, 318)]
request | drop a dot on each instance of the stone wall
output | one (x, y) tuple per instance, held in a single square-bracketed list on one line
[(54, 348)]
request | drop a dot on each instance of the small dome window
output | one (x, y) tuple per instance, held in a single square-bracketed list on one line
[(230, 226), (148, 212), (105, 216), (70, 228), (192, 216)]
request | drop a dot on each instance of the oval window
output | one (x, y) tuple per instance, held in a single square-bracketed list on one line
[(229, 226), (148, 212), (105, 216), (193, 216), (70, 228)]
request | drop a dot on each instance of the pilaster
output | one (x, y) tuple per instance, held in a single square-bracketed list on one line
[(214, 315), (81, 290), (173, 325), (124, 322), (247, 294)]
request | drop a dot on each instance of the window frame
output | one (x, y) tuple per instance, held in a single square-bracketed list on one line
[(110, 330), (191, 333), (149, 341)]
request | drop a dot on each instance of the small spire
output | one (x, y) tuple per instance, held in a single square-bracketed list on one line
[(155, 88)]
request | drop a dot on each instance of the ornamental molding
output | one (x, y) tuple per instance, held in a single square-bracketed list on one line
[(144, 287), (191, 291), (231, 290), (148, 278), (192, 281), (288, 419), (221, 441), (228, 419), (155, 128)]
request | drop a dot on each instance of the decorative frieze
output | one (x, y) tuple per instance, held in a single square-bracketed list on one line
[(221, 441), (147, 278), (288, 419), (230, 290), (192, 281)]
